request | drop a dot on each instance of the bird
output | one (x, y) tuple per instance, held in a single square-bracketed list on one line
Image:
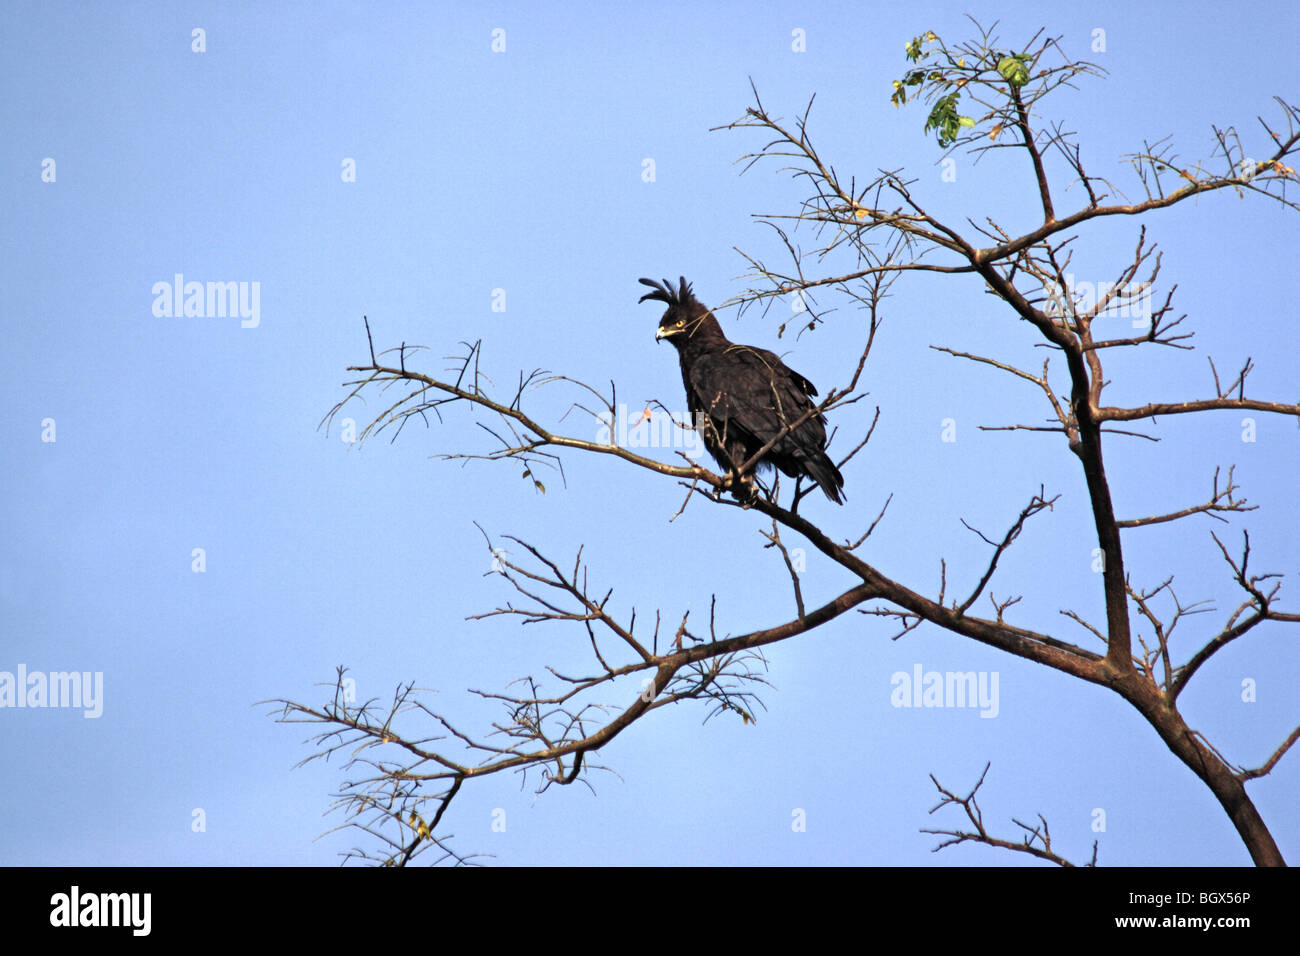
[(741, 397)]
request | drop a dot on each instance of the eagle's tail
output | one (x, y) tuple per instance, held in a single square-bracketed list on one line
[(823, 471)]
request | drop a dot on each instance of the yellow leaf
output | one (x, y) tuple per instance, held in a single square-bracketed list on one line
[(995, 132)]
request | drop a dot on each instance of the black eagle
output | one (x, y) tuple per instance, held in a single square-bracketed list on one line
[(741, 397)]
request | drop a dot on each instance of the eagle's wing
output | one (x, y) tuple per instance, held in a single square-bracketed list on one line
[(749, 394), (773, 360)]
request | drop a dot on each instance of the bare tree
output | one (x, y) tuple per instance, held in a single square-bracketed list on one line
[(413, 761)]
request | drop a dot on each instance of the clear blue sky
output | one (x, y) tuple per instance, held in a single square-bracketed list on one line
[(522, 171)]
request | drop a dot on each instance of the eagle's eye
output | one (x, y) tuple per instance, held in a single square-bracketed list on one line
[(679, 323)]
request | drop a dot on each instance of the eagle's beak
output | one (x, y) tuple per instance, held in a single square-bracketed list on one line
[(663, 333)]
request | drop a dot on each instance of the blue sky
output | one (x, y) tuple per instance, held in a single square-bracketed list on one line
[(522, 170)]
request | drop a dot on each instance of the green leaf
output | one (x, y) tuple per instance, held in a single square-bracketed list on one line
[(943, 118), (1015, 69)]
